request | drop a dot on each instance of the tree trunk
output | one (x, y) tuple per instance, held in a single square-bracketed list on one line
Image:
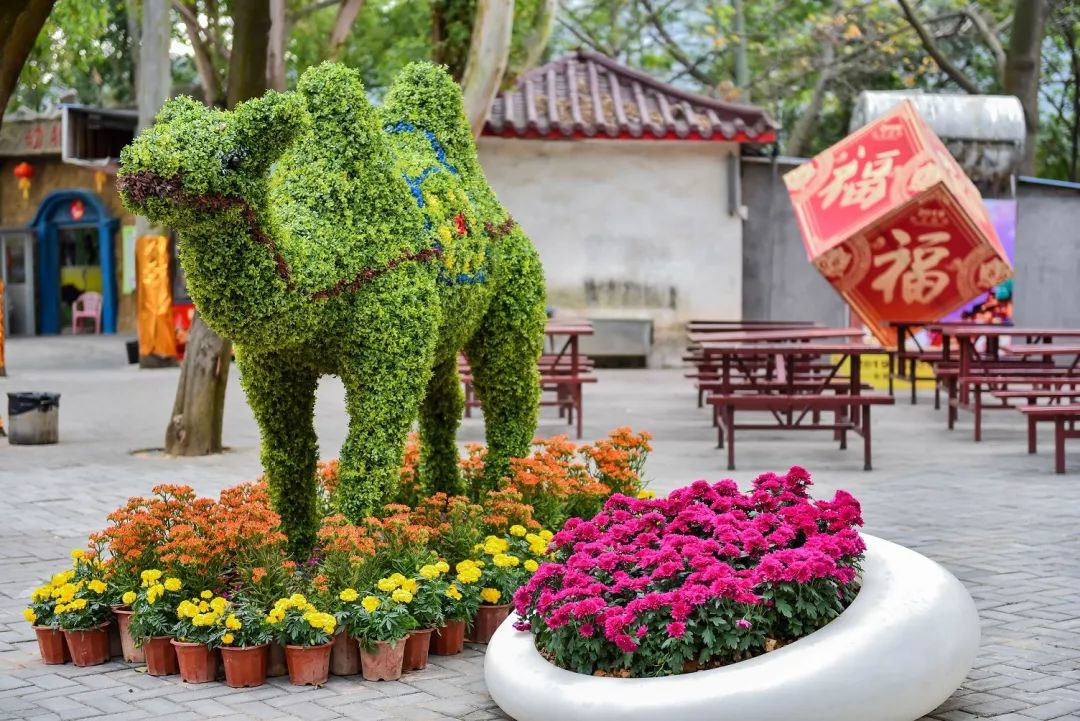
[(742, 66), (247, 58), (346, 16), (279, 31), (489, 51), (535, 41), (20, 23), (804, 126), (1022, 67), (199, 408)]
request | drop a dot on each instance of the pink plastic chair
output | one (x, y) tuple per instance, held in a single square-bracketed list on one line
[(86, 307)]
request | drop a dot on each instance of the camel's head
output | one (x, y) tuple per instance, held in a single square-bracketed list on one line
[(195, 160)]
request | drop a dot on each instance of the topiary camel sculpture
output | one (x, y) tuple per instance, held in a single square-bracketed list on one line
[(324, 236)]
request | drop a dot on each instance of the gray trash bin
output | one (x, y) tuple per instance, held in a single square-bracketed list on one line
[(33, 418)]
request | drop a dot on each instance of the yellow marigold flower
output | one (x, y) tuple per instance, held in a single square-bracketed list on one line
[(532, 538), (59, 608), (151, 575), (454, 593), (233, 623), (29, 615), (41, 593), (517, 530), (646, 495), (410, 585), (77, 553), (546, 535), (275, 616), (397, 577), (152, 595), (330, 625), (97, 586), (370, 603), (464, 565), (531, 565), (505, 560), (386, 584), (172, 584), (401, 595), (495, 545), (490, 595), (442, 566), (129, 597), (227, 639), (538, 549), (297, 599), (218, 604), (429, 572), (469, 575), (78, 604), (207, 595), (349, 595)]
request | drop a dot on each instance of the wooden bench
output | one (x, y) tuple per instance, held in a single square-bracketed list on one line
[(566, 386), (844, 406), (1064, 418), (1002, 382)]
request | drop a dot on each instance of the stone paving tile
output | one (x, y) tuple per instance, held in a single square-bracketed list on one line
[(993, 515)]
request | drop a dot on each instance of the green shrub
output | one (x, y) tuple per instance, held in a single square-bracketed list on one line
[(324, 236)]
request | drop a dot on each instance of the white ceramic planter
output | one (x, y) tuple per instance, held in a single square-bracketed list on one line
[(901, 648)]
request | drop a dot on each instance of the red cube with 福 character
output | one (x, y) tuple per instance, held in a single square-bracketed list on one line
[(893, 223)]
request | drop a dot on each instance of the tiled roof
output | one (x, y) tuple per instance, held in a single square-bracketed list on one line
[(588, 95)]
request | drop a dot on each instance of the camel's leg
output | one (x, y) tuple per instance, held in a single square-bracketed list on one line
[(440, 415), (281, 393), (503, 356), (385, 375)]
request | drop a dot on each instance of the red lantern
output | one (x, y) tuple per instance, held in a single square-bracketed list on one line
[(24, 172)]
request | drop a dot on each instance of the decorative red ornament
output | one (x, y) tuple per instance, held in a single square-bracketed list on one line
[(77, 209), (459, 220), (24, 172)]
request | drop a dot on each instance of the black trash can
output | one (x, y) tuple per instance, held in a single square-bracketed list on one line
[(133, 351), (33, 418)]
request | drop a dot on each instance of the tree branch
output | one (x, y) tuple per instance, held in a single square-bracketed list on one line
[(312, 8), (20, 23), (204, 63), (992, 41), (581, 34), (935, 52), (346, 16), (673, 47)]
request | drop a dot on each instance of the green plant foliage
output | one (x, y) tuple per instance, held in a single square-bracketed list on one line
[(323, 236)]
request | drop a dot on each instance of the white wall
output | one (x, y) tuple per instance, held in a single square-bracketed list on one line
[(627, 228)]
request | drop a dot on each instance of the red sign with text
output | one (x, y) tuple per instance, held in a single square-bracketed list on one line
[(889, 218)]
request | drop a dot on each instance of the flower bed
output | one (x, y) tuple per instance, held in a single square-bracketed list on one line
[(200, 573), (703, 578)]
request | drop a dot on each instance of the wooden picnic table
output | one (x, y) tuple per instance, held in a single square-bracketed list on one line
[(975, 369), (563, 369), (812, 333), (790, 394)]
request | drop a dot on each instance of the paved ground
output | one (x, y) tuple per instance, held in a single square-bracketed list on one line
[(996, 517)]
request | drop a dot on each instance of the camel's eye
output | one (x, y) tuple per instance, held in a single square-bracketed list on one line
[(232, 160)]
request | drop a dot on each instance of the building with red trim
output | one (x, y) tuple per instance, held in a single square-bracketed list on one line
[(630, 189)]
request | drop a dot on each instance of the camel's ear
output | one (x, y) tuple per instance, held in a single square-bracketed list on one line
[(264, 127)]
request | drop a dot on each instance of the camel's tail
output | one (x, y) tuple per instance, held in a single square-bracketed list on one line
[(425, 96)]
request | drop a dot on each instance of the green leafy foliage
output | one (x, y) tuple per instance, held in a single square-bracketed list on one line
[(324, 237)]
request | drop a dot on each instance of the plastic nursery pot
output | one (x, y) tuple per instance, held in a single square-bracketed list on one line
[(344, 655), (449, 639), (416, 650), (275, 660), (487, 620), (52, 645), (384, 662), (198, 662), (89, 647), (245, 666), (308, 665), (130, 652), (160, 656)]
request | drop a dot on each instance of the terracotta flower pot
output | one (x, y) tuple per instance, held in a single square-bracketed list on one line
[(160, 656), (345, 655), (198, 662), (487, 620), (130, 652), (308, 665), (89, 647), (416, 650), (384, 663), (449, 639), (275, 660), (116, 645), (245, 666), (52, 645)]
